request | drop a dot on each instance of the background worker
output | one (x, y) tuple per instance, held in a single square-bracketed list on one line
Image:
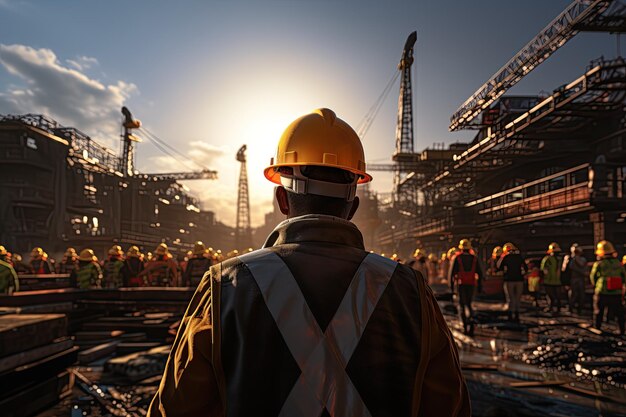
[(332, 326), (89, 273), (608, 277), (38, 263), (466, 271), (133, 265), (9, 282), (575, 265), (161, 270), (551, 268), (111, 276), (69, 262), (513, 267), (197, 265), (419, 263)]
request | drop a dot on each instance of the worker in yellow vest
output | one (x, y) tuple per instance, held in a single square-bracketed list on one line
[(609, 279)]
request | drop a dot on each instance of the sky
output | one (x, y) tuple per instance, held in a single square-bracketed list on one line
[(210, 76)]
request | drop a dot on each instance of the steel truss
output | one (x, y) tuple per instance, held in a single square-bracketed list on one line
[(594, 15)]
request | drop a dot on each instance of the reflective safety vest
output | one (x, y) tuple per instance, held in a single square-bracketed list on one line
[(88, 276), (111, 272), (466, 277), (321, 356)]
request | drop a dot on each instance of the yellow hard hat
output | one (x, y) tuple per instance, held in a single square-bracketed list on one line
[(322, 139), (87, 255), (604, 248), (496, 252), (3, 251), (394, 257), (508, 247), (36, 252), (17, 257), (133, 251), (432, 257), (116, 250), (70, 252), (451, 253), (554, 247), (199, 248), (161, 249), (443, 256), (465, 244), (418, 253), (623, 260)]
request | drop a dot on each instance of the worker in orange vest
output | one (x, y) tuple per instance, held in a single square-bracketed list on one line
[(465, 270)]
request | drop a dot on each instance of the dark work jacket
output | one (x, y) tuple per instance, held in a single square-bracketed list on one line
[(229, 358), (513, 266), (131, 268)]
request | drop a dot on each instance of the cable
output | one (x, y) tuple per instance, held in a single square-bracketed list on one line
[(168, 153), (368, 119), (155, 139)]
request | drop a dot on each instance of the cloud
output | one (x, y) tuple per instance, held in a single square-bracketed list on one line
[(82, 63), (63, 93), (205, 153)]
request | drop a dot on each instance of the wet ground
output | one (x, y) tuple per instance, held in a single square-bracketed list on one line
[(542, 366)]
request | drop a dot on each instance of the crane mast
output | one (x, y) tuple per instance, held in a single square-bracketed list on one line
[(243, 236), (404, 197)]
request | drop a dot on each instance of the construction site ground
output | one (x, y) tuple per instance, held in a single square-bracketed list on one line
[(115, 344)]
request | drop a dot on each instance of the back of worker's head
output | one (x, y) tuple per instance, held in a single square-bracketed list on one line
[(318, 164)]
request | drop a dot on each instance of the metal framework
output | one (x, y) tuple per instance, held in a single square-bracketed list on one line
[(243, 232), (571, 107), (405, 197), (205, 174), (596, 15)]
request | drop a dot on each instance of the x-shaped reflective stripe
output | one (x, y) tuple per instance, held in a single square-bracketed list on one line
[(321, 356)]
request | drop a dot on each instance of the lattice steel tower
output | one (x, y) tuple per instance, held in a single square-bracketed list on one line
[(404, 154), (243, 237), (127, 163)]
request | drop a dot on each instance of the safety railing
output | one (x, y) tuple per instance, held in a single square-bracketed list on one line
[(563, 192)]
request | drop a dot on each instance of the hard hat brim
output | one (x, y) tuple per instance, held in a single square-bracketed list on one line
[(272, 174)]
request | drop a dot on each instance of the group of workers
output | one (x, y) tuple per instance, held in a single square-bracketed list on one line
[(563, 278), (119, 269)]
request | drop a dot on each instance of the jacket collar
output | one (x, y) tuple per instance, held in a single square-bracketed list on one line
[(316, 228)]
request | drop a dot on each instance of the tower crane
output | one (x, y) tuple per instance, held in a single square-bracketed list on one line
[(243, 236), (127, 161)]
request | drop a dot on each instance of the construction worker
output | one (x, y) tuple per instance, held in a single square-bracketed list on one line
[(465, 270), (433, 267), (38, 263), (609, 277), (624, 260), (9, 282), (197, 265), (514, 268), (161, 271), (551, 268), (575, 265), (133, 265), (69, 262), (112, 277), (89, 273), (496, 254), (19, 266), (419, 263), (336, 330)]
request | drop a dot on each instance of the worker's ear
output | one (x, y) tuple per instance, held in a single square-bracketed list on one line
[(353, 209), (281, 199)]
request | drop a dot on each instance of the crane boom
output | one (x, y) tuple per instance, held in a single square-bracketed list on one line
[(205, 174), (552, 37)]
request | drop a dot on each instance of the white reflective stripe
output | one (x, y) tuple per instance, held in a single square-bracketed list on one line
[(322, 358)]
